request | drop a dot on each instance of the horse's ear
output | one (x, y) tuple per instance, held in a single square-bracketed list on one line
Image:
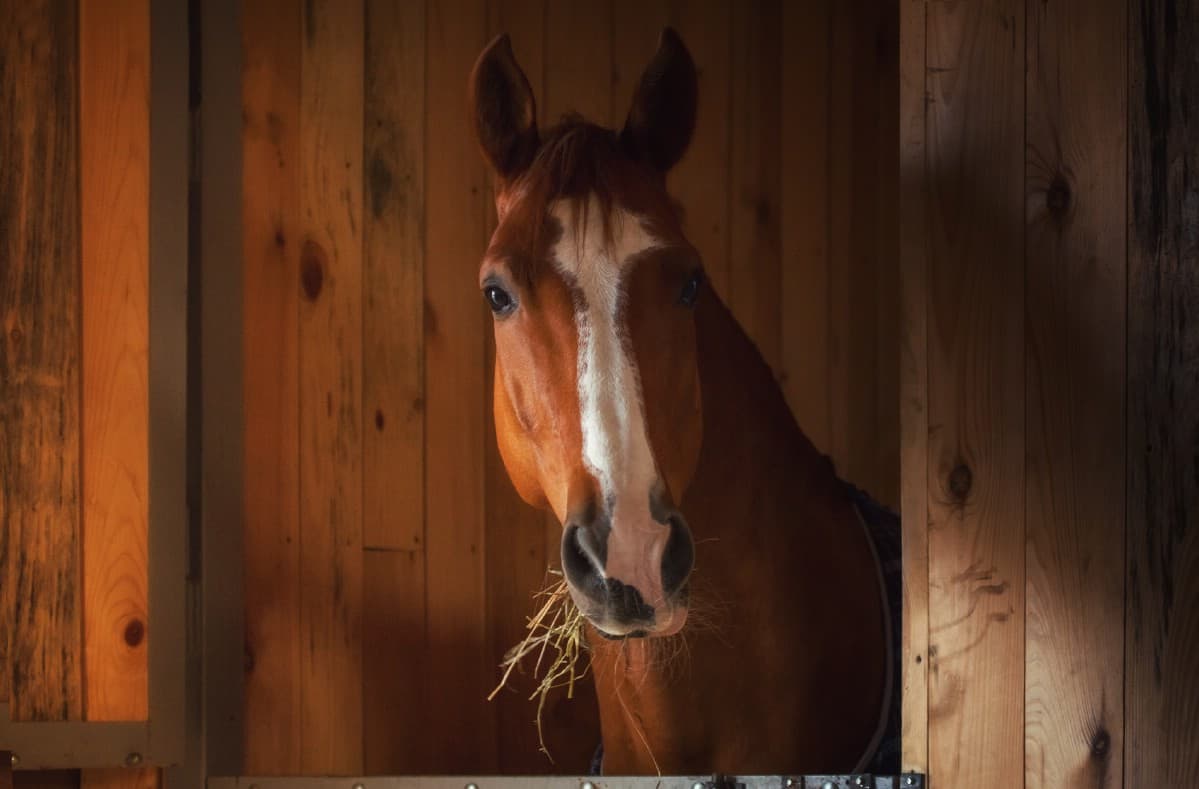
[(504, 114), (662, 118)]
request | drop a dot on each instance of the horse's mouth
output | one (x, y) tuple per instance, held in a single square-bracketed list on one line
[(632, 634)]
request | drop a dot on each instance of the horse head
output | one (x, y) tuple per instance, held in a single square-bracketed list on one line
[(594, 290)]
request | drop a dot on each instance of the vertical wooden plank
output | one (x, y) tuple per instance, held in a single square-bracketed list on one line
[(393, 322), (395, 673), (841, 162), (393, 388), (701, 180), (880, 447), (330, 376), (859, 357), (271, 238), (754, 145), (913, 370), (805, 216), (455, 343), (578, 62), (1074, 499), (114, 98), (40, 605), (975, 127), (114, 192), (1161, 626)]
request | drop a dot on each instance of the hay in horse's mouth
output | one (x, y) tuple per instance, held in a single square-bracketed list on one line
[(563, 637)]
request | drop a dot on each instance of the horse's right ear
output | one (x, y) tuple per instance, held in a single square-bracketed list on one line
[(504, 114)]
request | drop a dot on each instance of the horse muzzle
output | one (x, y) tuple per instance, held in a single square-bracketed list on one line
[(630, 579)]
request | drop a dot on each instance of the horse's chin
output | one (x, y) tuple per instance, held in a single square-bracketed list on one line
[(672, 625)]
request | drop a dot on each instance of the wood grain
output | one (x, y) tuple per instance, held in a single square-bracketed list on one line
[(455, 475), (393, 389), (805, 322), (1074, 495), (1161, 624), (755, 183), (841, 230), (396, 738), (330, 380), (913, 382), (701, 180), (975, 128), (271, 238), (578, 62), (114, 95), (41, 652), (878, 442), (393, 274)]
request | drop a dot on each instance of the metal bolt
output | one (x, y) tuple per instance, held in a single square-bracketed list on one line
[(588, 785), (358, 786), (133, 759), (859, 781), (828, 785), (790, 782), (14, 759), (697, 785), (909, 781), (472, 786)]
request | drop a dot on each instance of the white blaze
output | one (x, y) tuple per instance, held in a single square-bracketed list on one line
[(615, 443)]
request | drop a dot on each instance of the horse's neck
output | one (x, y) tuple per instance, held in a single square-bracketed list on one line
[(761, 495), (752, 442)]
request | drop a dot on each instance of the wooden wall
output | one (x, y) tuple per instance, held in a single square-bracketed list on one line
[(1049, 405), (74, 274), (388, 563)]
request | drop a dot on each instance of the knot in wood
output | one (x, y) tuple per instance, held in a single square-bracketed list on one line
[(1101, 744), (961, 479), (135, 631), (312, 270), (1058, 196)]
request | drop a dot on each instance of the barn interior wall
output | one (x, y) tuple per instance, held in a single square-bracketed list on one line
[(1048, 404), (388, 562)]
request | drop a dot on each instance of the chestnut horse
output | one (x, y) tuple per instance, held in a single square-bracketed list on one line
[(630, 403)]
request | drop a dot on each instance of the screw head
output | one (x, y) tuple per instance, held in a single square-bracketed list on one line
[(472, 786), (790, 782), (859, 781), (909, 781), (828, 785), (358, 786), (697, 785), (14, 759), (133, 759)]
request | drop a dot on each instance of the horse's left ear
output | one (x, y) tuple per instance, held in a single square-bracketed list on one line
[(662, 118)]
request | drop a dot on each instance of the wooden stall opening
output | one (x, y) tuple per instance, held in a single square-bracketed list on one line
[(93, 451), (388, 562)]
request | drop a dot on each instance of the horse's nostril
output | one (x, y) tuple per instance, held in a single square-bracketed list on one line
[(679, 556), (581, 560)]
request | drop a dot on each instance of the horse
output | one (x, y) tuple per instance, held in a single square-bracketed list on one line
[(629, 401)]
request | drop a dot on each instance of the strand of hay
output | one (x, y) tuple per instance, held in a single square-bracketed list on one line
[(556, 629)]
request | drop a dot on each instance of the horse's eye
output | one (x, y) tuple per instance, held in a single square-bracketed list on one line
[(690, 292), (498, 299)]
